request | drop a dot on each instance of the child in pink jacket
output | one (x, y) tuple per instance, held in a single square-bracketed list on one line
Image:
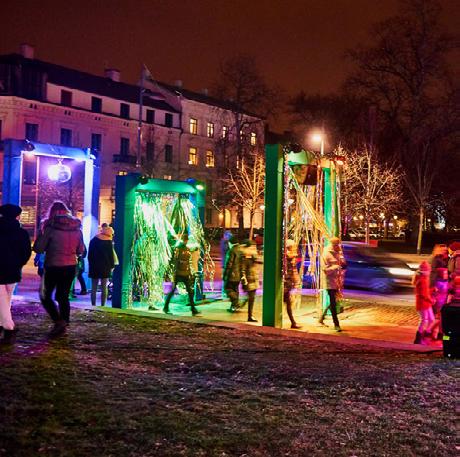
[(423, 302)]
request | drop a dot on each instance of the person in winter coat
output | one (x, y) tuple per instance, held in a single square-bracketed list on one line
[(15, 252), (423, 300), (333, 264), (184, 272), (291, 280), (61, 240), (101, 260), (439, 297), (250, 274), (232, 273), (439, 259)]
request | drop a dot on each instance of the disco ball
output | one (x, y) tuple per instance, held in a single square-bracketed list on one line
[(59, 173)]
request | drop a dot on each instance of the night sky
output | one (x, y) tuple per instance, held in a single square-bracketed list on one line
[(297, 44)]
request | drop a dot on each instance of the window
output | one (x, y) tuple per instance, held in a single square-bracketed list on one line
[(66, 137), (31, 132), (150, 151), (96, 105), (210, 162), (124, 110), (96, 143), (168, 120), (168, 177), (253, 139), (210, 130), (193, 126), (192, 156), (29, 170), (224, 131), (168, 153), (241, 135), (122, 173), (150, 116), (124, 146), (66, 98)]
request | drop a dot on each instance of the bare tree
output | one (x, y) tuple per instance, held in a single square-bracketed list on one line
[(247, 185), (372, 187), (250, 100), (406, 77)]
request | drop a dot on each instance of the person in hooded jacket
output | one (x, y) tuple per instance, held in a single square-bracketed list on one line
[(61, 240), (250, 274), (333, 262), (423, 301), (15, 252), (232, 273), (101, 259)]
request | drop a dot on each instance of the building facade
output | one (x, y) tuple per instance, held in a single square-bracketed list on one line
[(183, 134)]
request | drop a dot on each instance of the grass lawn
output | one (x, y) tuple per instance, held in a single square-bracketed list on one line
[(120, 385)]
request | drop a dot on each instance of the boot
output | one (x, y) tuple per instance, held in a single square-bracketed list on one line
[(194, 311), (9, 337), (58, 329), (418, 338)]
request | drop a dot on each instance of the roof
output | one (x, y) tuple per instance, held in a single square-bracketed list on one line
[(206, 99), (86, 82)]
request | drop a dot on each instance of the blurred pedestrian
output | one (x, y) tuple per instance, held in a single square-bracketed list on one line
[(101, 259), (183, 272), (61, 240), (291, 280), (423, 301), (333, 265), (39, 262), (439, 299), (15, 251), (439, 259), (231, 275), (250, 275)]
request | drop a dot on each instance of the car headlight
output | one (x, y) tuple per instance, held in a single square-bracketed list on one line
[(400, 271)]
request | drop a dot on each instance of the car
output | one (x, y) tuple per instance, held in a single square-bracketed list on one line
[(370, 268)]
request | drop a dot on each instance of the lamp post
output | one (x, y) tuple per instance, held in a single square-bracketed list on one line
[(319, 138)]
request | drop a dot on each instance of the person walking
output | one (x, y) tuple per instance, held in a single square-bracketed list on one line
[(333, 262), (291, 280), (101, 260), (439, 298), (423, 301), (439, 259), (183, 272), (250, 274), (231, 275), (15, 252), (61, 240)]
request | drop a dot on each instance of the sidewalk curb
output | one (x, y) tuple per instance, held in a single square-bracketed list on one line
[(353, 341)]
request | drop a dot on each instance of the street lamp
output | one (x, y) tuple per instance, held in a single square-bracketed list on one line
[(319, 138)]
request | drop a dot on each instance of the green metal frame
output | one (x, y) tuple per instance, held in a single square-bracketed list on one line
[(125, 197), (272, 310)]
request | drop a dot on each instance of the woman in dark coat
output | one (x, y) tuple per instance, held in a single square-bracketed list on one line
[(15, 252), (101, 259)]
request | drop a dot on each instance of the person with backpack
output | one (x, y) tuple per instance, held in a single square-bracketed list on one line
[(183, 272), (250, 274), (232, 273), (15, 252)]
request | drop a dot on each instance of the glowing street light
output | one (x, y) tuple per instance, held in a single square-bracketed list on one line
[(319, 138)]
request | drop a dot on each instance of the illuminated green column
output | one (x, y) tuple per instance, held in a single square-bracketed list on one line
[(330, 216), (272, 309), (125, 198)]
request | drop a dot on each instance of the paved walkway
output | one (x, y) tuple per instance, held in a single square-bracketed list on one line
[(385, 325)]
